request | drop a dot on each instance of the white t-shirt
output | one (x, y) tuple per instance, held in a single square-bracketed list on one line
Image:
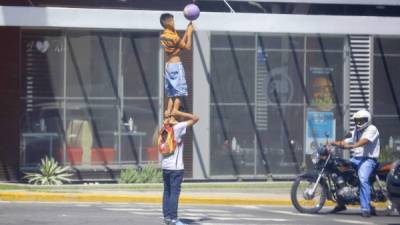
[(372, 148), (175, 161)]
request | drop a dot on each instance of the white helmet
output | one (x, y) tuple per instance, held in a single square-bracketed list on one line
[(362, 119)]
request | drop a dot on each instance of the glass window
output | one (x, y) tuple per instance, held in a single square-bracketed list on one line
[(281, 42), (140, 66), (81, 89), (281, 71), (233, 76), (42, 54), (324, 43), (232, 140), (282, 141), (232, 104), (92, 64), (257, 119), (92, 93), (254, 114), (230, 40), (387, 95), (387, 45), (324, 82), (325, 76)]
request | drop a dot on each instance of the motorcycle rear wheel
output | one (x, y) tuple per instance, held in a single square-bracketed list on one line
[(302, 202)]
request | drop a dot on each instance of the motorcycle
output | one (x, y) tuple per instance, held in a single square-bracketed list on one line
[(393, 185), (335, 179)]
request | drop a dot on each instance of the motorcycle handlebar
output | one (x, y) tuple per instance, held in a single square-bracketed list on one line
[(333, 148)]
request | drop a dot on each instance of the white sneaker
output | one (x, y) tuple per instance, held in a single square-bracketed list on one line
[(179, 223), (167, 221)]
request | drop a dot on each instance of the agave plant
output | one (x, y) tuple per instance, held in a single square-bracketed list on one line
[(50, 173), (148, 174)]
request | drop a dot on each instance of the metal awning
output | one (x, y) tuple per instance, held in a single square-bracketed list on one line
[(51, 17)]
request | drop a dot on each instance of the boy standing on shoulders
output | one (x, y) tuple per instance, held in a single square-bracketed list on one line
[(174, 78), (173, 168)]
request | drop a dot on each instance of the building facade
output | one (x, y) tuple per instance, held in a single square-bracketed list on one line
[(83, 83)]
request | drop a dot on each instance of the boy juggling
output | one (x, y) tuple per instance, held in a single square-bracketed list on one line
[(175, 89), (175, 82)]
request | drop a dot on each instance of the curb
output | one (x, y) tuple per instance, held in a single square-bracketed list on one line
[(76, 197), (120, 198), (115, 198)]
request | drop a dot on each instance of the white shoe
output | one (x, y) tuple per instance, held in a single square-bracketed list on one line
[(177, 222), (167, 221)]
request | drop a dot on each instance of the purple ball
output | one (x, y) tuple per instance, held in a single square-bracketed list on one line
[(191, 12)]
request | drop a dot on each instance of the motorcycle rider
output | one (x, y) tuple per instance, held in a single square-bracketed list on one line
[(365, 146)]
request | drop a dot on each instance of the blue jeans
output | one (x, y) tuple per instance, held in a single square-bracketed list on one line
[(365, 167), (172, 189)]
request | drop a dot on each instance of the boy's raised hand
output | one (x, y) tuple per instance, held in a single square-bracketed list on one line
[(190, 27)]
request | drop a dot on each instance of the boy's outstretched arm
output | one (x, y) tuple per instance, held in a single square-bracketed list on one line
[(189, 31), (190, 119), (186, 41)]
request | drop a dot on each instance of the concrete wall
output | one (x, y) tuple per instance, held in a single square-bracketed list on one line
[(9, 101)]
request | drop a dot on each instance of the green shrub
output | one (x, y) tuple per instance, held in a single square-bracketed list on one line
[(50, 173), (148, 174)]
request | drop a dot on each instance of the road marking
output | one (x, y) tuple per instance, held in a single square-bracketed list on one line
[(223, 218), (124, 209), (196, 218), (159, 210), (193, 214), (352, 221), (211, 218), (266, 219), (189, 212), (131, 209), (228, 214), (82, 205), (224, 224), (247, 206), (204, 210), (118, 203), (212, 215), (147, 213), (290, 213)]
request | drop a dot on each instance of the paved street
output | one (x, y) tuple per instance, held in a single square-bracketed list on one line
[(12, 213)]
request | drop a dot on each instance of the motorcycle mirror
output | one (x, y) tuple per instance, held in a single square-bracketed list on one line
[(326, 134)]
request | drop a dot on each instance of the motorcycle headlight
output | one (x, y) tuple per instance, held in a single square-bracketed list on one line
[(315, 157)]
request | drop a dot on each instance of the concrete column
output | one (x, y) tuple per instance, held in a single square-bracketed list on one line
[(201, 104)]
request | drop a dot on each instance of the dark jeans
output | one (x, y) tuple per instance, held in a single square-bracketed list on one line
[(172, 189)]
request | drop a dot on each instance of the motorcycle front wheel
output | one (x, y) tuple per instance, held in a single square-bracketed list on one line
[(302, 197)]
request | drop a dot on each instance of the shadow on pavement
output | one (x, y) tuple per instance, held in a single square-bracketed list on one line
[(195, 222)]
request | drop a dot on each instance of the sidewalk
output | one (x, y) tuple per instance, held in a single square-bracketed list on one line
[(253, 193)]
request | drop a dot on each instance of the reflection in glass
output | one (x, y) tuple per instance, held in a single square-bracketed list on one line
[(386, 97), (41, 84), (81, 88), (270, 83)]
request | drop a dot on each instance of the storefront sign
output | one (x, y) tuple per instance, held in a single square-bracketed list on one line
[(319, 125)]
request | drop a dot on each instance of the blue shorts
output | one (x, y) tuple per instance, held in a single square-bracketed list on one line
[(175, 82)]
